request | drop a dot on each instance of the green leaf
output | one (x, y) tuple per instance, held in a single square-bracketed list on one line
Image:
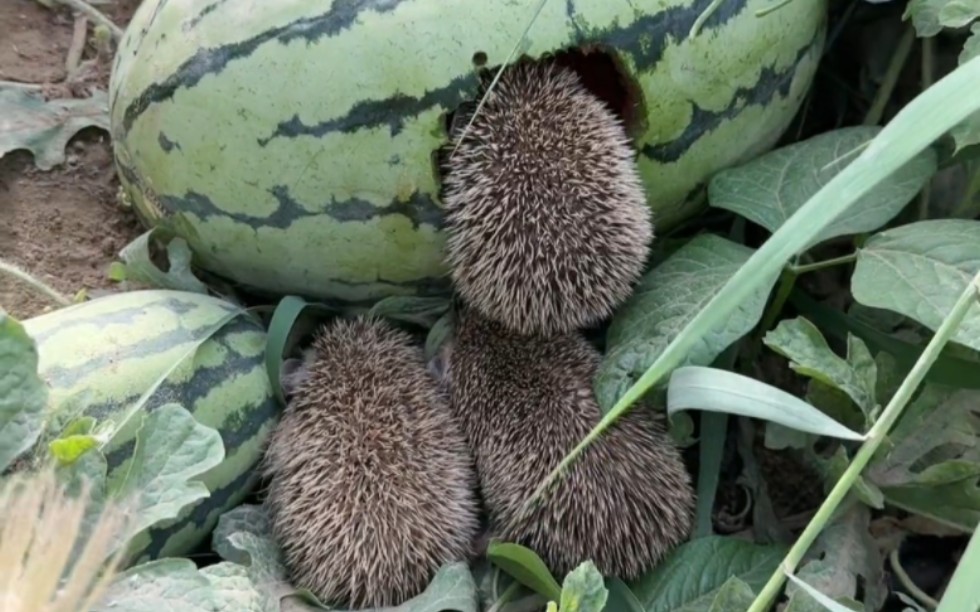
[(45, 127), (833, 468), (68, 449), (958, 13), (23, 395), (843, 552), (526, 567), (816, 597), (963, 590), (621, 598), (698, 387), (949, 369), (929, 17), (171, 449), (138, 265), (177, 584), (801, 342), (931, 466), (583, 590), (919, 270), (771, 188), (440, 331), (452, 588), (733, 595), (423, 311), (665, 301), (243, 537), (971, 48), (694, 573)]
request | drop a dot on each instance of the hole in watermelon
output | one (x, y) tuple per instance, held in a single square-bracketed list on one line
[(603, 75)]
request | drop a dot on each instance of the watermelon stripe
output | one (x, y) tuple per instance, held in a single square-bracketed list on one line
[(771, 81), (341, 16), (199, 515), (374, 113), (668, 27), (166, 144), (674, 22), (116, 317), (207, 10), (419, 208), (234, 431), (70, 376)]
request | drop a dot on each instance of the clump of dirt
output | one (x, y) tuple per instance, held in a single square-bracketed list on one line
[(64, 226)]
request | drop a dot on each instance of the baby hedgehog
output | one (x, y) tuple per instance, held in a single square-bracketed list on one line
[(525, 402), (372, 485), (546, 220)]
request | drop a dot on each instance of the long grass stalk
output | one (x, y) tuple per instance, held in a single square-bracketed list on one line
[(876, 436), (930, 115)]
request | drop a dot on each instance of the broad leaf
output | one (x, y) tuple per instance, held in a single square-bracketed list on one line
[(583, 590), (44, 128), (693, 574), (930, 16), (733, 595), (801, 342), (718, 390), (665, 301), (243, 537), (932, 464), (452, 588), (920, 270), (843, 552), (972, 47), (771, 188), (177, 584), (137, 264), (526, 567), (23, 395), (172, 449), (423, 311)]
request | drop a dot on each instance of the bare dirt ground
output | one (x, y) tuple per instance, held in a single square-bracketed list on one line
[(63, 226)]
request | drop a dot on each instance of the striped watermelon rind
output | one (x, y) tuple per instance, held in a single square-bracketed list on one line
[(100, 356), (291, 142)]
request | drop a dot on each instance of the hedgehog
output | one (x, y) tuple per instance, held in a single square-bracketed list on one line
[(371, 483), (525, 402), (546, 218)]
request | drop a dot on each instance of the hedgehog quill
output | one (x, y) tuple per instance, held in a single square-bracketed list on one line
[(547, 222), (372, 486), (525, 401)]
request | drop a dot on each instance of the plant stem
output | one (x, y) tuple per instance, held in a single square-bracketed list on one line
[(909, 584), (12, 270), (19, 85), (928, 49), (884, 94), (95, 15), (820, 265), (875, 437)]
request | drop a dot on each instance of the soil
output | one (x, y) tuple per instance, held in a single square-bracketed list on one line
[(63, 226)]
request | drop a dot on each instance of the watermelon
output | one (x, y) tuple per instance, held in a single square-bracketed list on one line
[(291, 143), (99, 357)]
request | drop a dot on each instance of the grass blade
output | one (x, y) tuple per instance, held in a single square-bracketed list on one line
[(723, 391), (930, 115)]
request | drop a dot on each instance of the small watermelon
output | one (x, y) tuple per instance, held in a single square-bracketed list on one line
[(100, 356), (291, 142)]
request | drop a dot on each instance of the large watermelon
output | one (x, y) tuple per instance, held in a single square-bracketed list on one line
[(295, 139), (103, 354)]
